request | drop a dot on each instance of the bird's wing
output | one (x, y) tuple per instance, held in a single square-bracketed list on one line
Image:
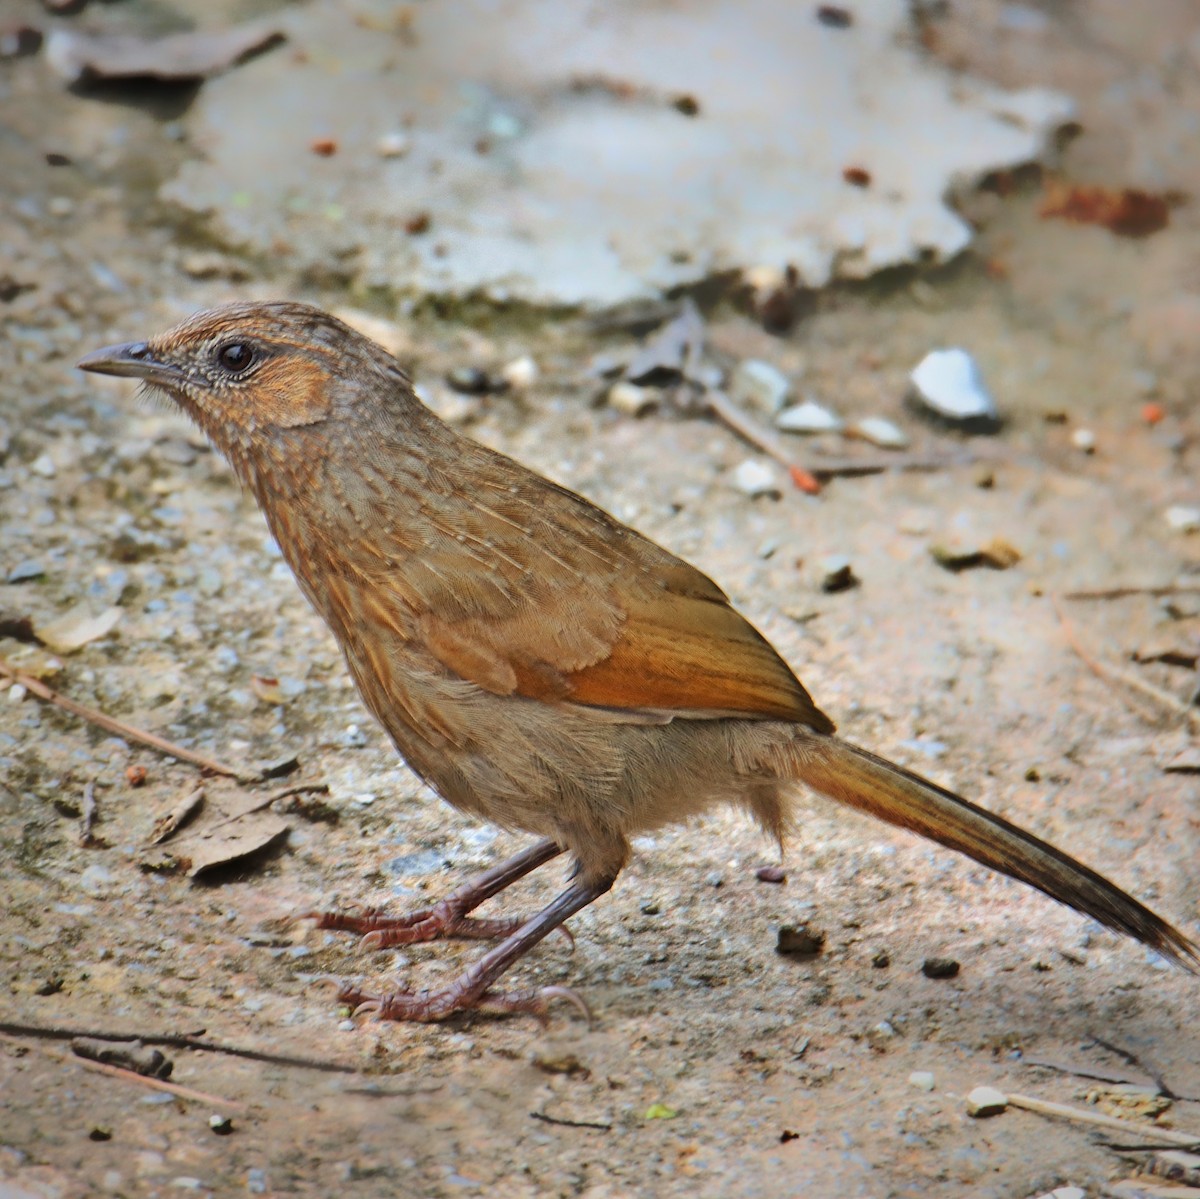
[(550, 598)]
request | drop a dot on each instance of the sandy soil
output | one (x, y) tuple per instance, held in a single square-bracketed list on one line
[(715, 1066)]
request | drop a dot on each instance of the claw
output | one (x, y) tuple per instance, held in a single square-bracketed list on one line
[(568, 995)]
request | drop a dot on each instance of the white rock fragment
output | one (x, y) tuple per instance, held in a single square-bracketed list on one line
[(1084, 439), (758, 384), (1183, 519), (1070, 1192), (393, 145), (520, 373), (809, 417), (948, 383), (880, 431), (921, 1079), (43, 465), (755, 477), (630, 399), (986, 1101), (76, 628)]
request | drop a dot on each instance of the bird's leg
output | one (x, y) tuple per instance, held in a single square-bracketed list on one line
[(472, 988), (449, 918)]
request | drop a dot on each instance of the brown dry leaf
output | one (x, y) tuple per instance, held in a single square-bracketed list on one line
[(177, 815), (1126, 211), (177, 57), (234, 825), (76, 628), (239, 838)]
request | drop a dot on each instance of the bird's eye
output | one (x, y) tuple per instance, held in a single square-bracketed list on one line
[(235, 356)]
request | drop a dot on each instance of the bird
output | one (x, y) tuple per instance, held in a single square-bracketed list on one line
[(541, 665)]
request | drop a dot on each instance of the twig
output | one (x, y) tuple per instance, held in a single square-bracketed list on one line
[(596, 1124), (175, 1041), (724, 409), (829, 468), (302, 789), (1108, 593), (119, 727), (87, 818), (1082, 1115), (1093, 1072), (1111, 674), (156, 1084), (1132, 1059)]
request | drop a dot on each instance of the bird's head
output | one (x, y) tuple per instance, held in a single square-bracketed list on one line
[(245, 373)]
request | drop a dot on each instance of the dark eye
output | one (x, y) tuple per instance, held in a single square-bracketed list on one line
[(235, 356)]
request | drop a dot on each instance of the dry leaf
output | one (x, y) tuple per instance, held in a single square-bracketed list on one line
[(177, 815), (74, 629), (238, 838)]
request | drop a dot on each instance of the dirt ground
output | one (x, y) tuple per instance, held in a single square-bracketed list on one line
[(715, 1066)]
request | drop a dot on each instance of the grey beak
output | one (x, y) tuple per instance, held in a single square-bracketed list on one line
[(132, 360)]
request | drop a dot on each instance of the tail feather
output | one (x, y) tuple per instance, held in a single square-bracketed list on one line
[(862, 780)]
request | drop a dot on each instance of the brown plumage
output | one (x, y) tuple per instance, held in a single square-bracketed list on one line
[(540, 664)]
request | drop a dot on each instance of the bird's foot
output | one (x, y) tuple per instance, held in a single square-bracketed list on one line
[(442, 921)]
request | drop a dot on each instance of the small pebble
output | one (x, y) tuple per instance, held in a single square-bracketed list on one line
[(755, 477), (649, 907), (880, 431), (799, 939), (948, 384), (881, 959), (630, 399), (770, 874), (837, 574), (470, 380), (922, 1080), (393, 145), (346, 1026), (43, 465), (986, 1101), (520, 373), (24, 571), (940, 968), (809, 417), (1183, 519), (1084, 439), (760, 385), (1071, 1193), (221, 1125), (714, 880), (60, 206)]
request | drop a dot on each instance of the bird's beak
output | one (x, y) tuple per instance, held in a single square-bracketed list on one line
[(133, 360)]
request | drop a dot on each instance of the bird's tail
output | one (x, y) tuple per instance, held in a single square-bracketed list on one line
[(853, 776)]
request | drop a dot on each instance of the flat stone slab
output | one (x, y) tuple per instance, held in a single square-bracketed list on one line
[(565, 153)]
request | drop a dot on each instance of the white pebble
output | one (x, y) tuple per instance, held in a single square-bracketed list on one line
[(1080, 1193), (393, 145), (17, 692), (755, 477), (1183, 519), (759, 385), (809, 417), (986, 1101), (631, 399), (1084, 439), (880, 431), (520, 373), (60, 206), (922, 1080), (949, 383), (43, 465)]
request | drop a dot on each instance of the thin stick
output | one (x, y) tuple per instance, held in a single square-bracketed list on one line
[(1082, 1115), (596, 1124), (1108, 593), (109, 723), (725, 410), (156, 1084), (174, 1041), (1164, 699)]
